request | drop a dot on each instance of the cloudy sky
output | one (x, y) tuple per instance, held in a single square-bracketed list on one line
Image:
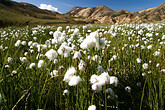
[(64, 6)]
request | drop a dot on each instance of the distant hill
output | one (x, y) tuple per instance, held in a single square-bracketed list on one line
[(20, 14), (103, 14)]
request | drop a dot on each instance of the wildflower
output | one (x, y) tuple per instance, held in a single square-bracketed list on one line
[(69, 74), (40, 63), (81, 65), (23, 43), (54, 73), (93, 79), (143, 47), (25, 53), (114, 80), (76, 31), (67, 27), (114, 57), (51, 33), (149, 47), (18, 43), (32, 65), (66, 92), (162, 70), (75, 80), (128, 89), (157, 65), (51, 54), (77, 55), (143, 74), (14, 72), (7, 66), (23, 59), (55, 61), (138, 60), (92, 107), (104, 78), (59, 28), (35, 38), (145, 66), (9, 59), (64, 48), (97, 87), (156, 53)]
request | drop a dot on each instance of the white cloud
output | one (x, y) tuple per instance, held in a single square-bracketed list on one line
[(48, 7)]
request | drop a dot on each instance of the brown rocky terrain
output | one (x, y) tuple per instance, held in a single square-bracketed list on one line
[(103, 14)]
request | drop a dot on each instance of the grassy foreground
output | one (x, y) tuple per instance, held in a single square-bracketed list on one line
[(117, 67)]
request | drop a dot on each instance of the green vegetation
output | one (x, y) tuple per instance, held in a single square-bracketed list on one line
[(17, 14), (132, 53), (157, 17)]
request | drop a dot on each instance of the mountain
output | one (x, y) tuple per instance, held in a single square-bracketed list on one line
[(20, 14), (154, 14), (103, 14)]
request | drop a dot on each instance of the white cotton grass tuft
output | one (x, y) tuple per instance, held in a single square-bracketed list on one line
[(51, 54), (114, 80), (92, 40), (9, 59), (23, 59), (64, 48), (14, 72), (94, 79), (77, 54), (66, 92), (81, 65), (128, 89), (156, 53), (7, 66), (97, 87), (104, 78), (138, 60), (41, 63), (18, 43), (69, 74), (162, 70), (145, 66), (32, 65), (23, 43), (75, 80), (54, 73), (92, 107), (149, 47)]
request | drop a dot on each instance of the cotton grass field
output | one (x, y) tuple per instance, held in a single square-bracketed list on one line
[(89, 67)]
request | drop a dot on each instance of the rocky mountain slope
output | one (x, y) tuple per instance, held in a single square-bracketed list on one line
[(103, 14)]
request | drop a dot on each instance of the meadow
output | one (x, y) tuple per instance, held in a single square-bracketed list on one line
[(83, 67)]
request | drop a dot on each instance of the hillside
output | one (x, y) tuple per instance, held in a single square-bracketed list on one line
[(103, 14), (13, 13)]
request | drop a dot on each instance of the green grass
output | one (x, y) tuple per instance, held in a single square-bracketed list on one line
[(36, 89), (15, 14)]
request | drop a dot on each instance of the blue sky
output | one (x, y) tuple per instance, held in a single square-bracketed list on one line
[(64, 6)]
